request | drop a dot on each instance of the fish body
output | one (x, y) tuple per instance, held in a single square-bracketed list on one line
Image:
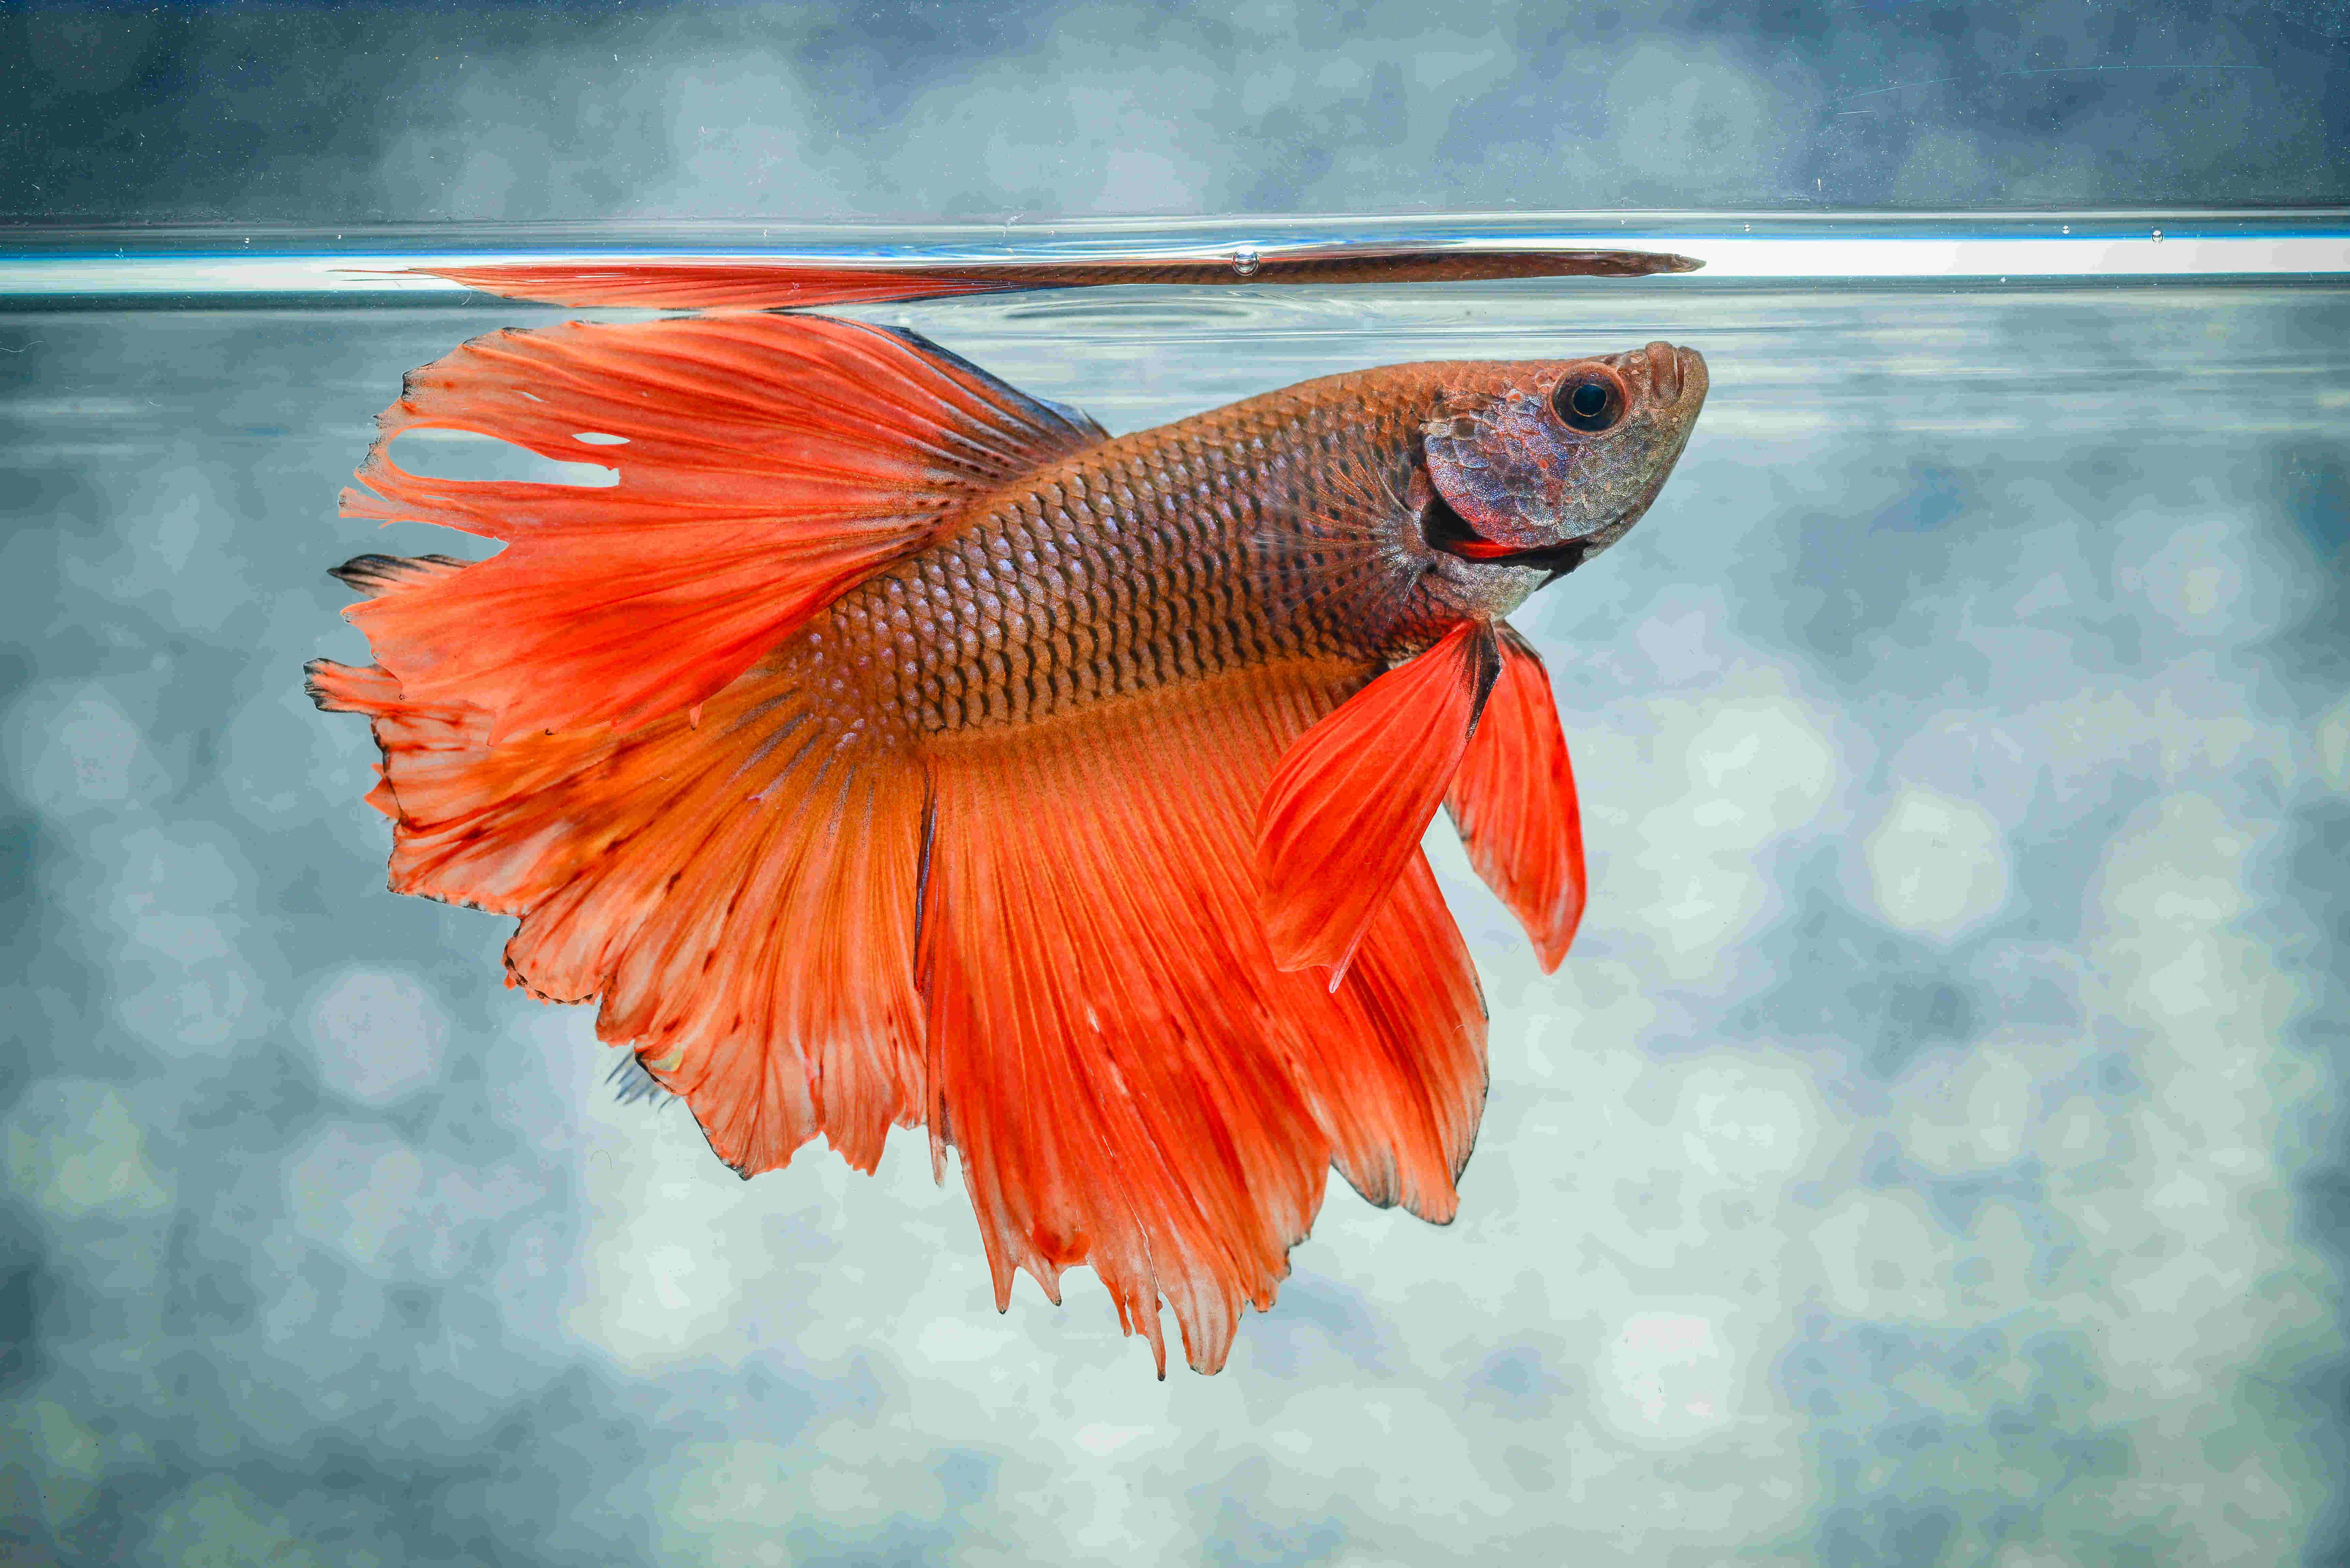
[(890, 747), (1275, 531)]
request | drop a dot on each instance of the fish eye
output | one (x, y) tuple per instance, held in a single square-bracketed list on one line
[(1587, 402)]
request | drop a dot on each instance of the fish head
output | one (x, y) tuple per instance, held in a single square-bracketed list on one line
[(1539, 465)]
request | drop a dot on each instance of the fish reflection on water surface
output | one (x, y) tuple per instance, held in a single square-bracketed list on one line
[(889, 747)]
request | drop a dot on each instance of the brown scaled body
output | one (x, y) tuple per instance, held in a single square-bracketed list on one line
[(1274, 531)]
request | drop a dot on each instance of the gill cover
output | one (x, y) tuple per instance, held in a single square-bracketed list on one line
[(1576, 456)]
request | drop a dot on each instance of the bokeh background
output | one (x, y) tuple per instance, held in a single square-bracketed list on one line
[(988, 110), (1932, 1154)]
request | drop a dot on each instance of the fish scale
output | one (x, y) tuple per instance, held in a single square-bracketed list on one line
[(1138, 563)]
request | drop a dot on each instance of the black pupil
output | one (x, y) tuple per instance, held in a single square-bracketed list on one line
[(1587, 405)]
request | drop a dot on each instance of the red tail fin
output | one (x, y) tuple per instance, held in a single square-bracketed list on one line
[(1513, 801), (1100, 1030), (1351, 799), (765, 464), (740, 893)]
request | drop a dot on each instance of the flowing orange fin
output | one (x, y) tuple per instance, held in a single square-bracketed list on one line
[(765, 464), (1513, 802), (803, 285), (1129, 1081), (1348, 808), (340, 688), (739, 894)]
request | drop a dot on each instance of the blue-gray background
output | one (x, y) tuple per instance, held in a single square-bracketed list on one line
[(984, 110), (1931, 1154)]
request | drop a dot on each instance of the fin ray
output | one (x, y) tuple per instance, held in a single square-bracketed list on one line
[(1129, 1079), (1514, 804), (765, 464), (739, 893), (1348, 808)]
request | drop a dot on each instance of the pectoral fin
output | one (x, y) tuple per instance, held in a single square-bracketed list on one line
[(1350, 800), (1513, 801)]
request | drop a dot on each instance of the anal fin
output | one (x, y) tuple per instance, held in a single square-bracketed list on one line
[(1130, 1079)]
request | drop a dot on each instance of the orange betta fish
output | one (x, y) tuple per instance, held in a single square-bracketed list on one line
[(891, 747)]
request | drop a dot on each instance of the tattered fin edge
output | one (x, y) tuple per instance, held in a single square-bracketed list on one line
[(1095, 968), (765, 465)]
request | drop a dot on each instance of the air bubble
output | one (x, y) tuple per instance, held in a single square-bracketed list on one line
[(1245, 261), (2157, 236)]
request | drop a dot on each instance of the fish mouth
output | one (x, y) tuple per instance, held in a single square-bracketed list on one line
[(1676, 376), (1695, 382)]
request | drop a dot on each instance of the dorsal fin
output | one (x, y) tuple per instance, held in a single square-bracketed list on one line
[(1513, 801), (1350, 800), (765, 465)]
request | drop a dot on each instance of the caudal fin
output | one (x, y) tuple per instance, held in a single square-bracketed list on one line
[(1044, 941), (736, 886)]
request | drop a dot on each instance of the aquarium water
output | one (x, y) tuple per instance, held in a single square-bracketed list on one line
[(1931, 1152)]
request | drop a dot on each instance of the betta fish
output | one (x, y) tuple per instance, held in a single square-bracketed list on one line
[(891, 747)]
